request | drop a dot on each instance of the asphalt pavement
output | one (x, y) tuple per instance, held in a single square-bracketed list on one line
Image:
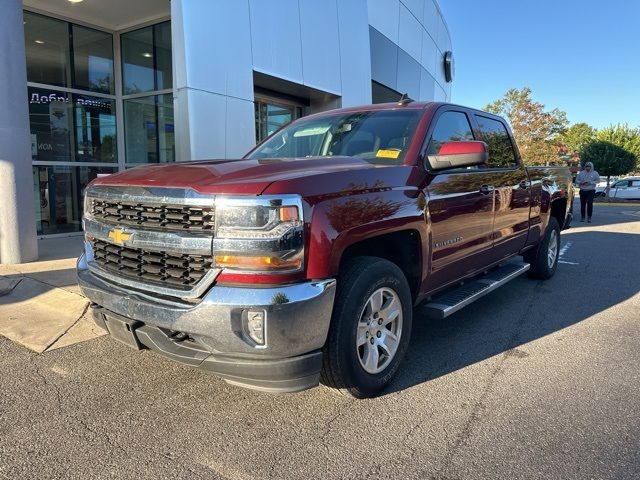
[(535, 380)]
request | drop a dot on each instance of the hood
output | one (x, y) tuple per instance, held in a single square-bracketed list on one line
[(243, 177)]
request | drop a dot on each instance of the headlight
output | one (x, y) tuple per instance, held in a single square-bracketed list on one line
[(263, 234)]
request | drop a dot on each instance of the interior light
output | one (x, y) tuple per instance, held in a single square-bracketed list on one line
[(75, 1), (146, 55), (39, 42)]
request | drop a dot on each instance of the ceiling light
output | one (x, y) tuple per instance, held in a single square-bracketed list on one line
[(75, 1), (39, 42), (146, 55)]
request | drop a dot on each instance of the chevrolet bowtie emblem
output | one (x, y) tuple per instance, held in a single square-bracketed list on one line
[(119, 236)]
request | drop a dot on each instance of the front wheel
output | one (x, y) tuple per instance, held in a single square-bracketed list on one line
[(544, 259), (370, 327)]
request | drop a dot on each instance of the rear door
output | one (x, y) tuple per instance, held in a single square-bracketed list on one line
[(460, 203), (512, 187)]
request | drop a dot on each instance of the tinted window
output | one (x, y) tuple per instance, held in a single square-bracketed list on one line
[(495, 135), (635, 183), (450, 127)]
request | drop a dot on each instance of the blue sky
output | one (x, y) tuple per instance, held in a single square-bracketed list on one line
[(582, 57)]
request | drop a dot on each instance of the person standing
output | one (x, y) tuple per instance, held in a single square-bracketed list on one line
[(587, 180)]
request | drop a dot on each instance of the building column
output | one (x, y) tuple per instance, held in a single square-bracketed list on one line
[(18, 241), (212, 79)]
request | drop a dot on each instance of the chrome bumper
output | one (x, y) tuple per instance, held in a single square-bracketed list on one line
[(297, 316)]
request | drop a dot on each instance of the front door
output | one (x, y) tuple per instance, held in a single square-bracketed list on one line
[(460, 203)]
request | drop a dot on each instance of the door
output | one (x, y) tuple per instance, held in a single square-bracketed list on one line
[(512, 188), (626, 189), (460, 203)]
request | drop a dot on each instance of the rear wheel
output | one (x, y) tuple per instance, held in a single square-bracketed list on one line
[(544, 259), (370, 327)]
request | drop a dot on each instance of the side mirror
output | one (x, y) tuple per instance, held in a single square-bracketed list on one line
[(459, 154)]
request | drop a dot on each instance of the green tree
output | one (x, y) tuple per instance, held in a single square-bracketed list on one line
[(534, 128), (623, 136), (608, 159), (576, 137)]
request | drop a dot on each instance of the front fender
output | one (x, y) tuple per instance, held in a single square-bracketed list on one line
[(341, 222)]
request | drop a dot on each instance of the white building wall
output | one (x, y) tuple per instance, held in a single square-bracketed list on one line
[(327, 46), (414, 35)]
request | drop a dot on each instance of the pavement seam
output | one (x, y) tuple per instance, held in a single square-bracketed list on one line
[(11, 289), (64, 332), (476, 413)]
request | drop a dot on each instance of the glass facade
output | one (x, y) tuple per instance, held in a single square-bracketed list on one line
[(270, 116), (74, 102), (147, 83)]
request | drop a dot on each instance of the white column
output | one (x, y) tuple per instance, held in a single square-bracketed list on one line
[(18, 241), (213, 79)]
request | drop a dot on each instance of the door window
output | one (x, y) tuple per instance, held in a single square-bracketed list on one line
[(495, 135), (450, 127)]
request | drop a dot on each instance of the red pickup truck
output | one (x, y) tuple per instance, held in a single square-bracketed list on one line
[(303, 261)]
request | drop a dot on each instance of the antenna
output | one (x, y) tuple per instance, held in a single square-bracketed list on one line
[(405, 99)]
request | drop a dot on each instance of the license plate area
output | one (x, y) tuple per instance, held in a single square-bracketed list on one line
[(124, 331)]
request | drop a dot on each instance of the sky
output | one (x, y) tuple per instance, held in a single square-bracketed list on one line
[(581, 56)]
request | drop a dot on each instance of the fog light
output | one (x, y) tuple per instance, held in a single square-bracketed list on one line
[(256, 326)]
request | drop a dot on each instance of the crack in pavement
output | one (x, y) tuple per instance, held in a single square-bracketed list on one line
[(63, 333)]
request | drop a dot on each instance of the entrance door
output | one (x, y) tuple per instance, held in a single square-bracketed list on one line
[(461, 205)]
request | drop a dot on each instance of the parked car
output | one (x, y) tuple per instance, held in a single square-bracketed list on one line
[(601, 187), (302, 261), (627, 188)]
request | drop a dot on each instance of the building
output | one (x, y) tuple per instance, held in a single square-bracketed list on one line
[(111, 85)]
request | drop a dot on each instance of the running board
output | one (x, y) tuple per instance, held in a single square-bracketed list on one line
[(450, 302)]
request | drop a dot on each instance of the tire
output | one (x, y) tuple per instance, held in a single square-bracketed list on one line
[(544, 259), (363, 283)]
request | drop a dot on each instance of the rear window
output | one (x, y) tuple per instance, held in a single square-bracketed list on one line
[(495, 135)]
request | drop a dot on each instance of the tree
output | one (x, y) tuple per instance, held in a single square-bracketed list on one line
[(608, 159), (534, 128), (576, 137), (623, 136)]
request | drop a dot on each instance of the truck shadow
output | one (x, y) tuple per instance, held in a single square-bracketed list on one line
[(602, 270)]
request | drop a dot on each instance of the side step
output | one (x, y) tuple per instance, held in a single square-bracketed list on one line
[(451, 301)]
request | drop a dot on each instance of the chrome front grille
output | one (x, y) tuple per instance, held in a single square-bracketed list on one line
[(155, 217), (174, 270)]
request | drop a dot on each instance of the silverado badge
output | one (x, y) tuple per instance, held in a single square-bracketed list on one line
[(119, 236)]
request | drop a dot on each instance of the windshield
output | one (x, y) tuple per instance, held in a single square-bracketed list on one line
[(380, 137)]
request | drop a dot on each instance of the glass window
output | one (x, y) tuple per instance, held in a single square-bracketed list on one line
[(146, 59), (163, 67), (149, 129), (92, 60), (271, 116), (450, 127), (635, 183), (50, 125), (383, 94), (494, 133), (59, 192), (137, 61), (379, 137), (47, 49), (95, 129)]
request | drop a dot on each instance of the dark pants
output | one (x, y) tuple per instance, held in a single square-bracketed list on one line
[(586, 200)]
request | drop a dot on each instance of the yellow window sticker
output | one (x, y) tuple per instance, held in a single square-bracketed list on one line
[(388, 153)]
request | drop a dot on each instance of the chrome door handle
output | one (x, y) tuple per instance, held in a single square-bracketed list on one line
[(487, 189)]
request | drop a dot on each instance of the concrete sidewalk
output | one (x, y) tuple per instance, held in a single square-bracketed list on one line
[(41, 306)]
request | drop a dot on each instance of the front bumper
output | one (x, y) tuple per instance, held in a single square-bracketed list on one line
[(297, 319)]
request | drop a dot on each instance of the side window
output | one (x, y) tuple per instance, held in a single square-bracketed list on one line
[(495, 135), (635, 183), (450, 127), (622, 184)]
